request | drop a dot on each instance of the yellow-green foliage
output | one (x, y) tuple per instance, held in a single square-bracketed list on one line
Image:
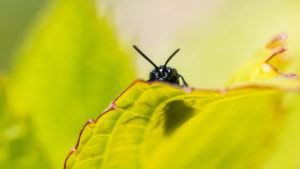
[(65, 73), (252, 123), (160, 126), (71, 67)]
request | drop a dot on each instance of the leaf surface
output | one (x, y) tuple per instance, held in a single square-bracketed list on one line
[(268, 64), (70, 67), (19, 147), (159, 126)]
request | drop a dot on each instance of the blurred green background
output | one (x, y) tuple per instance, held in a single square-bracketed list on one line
[(63, 62)]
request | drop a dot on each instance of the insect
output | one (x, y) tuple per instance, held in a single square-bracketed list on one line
[(163, 72)]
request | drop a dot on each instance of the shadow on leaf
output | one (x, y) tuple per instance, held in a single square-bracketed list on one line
[(176, 113)]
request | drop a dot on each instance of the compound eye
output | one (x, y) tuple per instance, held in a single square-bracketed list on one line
[(155, 74), (166, 73)]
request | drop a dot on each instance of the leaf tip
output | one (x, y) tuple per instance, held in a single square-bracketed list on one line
[(277, 41)]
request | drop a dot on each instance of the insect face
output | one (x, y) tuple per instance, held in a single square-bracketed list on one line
[(163, 72)]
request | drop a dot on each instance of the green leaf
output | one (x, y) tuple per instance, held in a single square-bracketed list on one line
[(70, 67), (19, 147), (268, 64), (155, 125), (158, 126), (286, 150)]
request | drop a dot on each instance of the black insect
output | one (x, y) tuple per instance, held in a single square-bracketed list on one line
[(163, 72)]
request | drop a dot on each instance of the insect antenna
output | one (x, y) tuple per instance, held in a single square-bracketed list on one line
[(141, 53), (173, 54)]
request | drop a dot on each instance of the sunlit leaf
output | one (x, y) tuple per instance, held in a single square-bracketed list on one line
[(157, 126), (286, 150), (69, 68), (269, 63), (19, 148)]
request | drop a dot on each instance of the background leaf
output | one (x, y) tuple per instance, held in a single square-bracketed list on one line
[(19, 147), (16, 17), (269, 63), (70, 67)]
